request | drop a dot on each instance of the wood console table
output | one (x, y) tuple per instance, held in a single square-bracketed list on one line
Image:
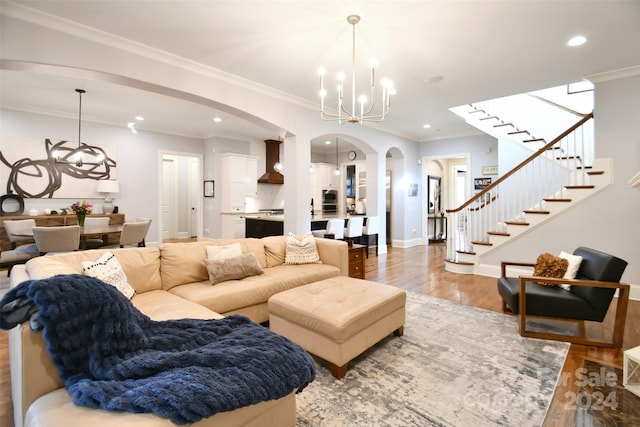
[(439, 228), (50, 221)]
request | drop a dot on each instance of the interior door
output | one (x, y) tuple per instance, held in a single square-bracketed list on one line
[(168, 203)]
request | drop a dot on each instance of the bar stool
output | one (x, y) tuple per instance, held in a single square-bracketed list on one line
[(353, 230), (334, 230), (370, 233)]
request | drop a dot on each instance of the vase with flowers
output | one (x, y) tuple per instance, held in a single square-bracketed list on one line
[(81, 210)]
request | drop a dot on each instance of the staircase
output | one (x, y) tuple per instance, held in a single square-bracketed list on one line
[(557, 173)]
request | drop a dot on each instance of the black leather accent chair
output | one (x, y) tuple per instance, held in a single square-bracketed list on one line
[(589, 297)]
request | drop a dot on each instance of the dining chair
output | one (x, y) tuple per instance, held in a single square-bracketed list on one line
[(57, 239), (353, 230), (18, 232), (96, 223), (370, 233), (12, 257), (134, 233)]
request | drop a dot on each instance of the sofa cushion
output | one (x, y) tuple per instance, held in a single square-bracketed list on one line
[(234, 268), (274, 250), (163, 305), (233, 295), (183, 263), (141, 265)]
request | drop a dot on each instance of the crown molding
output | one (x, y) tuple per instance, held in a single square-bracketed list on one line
[(62, 25), (615, 74)]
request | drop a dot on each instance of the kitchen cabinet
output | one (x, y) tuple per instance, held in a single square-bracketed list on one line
[(239, 180), (323, 178), (232, 226)]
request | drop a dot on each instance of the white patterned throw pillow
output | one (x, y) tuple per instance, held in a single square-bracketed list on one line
[(108, 269), (301, 249)]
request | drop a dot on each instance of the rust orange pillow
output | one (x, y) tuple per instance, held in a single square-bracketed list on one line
[(549, 265)]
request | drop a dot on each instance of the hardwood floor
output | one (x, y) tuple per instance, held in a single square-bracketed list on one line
[(421, 269)]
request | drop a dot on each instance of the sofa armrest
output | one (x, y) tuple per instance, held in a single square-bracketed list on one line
[(334, 252), (620, 316), (18, 275), (32, 371)]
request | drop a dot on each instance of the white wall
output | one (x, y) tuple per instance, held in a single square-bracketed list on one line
[(610, 220), (73, 51), (138, 161)]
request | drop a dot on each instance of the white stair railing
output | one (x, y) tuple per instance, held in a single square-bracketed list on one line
[(533, 188)]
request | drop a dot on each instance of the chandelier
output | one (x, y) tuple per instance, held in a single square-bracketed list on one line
[(367, 105), (74, 156)]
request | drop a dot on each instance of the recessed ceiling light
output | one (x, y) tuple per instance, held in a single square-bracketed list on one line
[(217, 119), (426, 126), (327, 142), (139, 118), (577, 41)]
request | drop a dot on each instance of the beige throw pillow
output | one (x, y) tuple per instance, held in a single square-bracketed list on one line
[(235, 268), (224, 252), (108, 269), (301, 249), (572, 268)]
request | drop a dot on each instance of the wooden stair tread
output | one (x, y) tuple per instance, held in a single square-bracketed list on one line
[(476, 111), (551, 199), (516, 222), (579, 186), (533, 140), (483, 243), (568, 158), (537, 212), (466, 252), (517, 132), (489, 118), (595, 172), (503, 124), (498, 233)]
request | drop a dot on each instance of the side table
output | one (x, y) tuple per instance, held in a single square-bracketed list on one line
[(356, 261), (631, 370)]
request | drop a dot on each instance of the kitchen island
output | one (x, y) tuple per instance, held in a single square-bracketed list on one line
[(264, 225), (273, 225)]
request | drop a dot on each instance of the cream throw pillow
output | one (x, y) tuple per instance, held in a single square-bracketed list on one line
[(235, 268), (224, 252), (108, 269), (301, 249), (572, 269)]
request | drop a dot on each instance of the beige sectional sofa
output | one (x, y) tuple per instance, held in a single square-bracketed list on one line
[(171, 282)]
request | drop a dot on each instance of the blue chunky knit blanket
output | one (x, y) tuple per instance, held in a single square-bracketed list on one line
[(111, 356)]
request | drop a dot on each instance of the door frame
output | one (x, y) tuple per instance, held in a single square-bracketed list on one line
[(446, 181), (194, 184)]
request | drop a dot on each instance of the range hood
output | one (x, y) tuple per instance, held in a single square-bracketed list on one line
[(271, 175)]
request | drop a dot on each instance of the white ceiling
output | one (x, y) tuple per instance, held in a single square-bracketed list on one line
[(480, 49)]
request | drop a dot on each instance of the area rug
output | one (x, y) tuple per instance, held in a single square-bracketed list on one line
[(455, 366)]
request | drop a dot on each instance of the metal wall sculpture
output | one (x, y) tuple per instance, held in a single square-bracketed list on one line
[(32, 177)]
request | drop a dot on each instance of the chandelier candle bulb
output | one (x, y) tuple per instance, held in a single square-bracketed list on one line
[(366, 114)]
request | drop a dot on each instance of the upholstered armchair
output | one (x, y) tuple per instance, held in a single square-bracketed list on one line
[(588, 297)]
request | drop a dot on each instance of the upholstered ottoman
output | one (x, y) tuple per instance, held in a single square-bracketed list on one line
[(338, 318)]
